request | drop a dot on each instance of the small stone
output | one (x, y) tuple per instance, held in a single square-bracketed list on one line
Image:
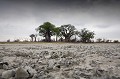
[(12, 78), (2, 64), (30, 71), (21, 74), (8, 74), (5, 67), (48, 56), (57, 67), (51, 63), (1, 71)]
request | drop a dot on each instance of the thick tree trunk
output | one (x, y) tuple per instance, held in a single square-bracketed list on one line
[(67, 39), (48, 38), (83, 40), (32, 39), (35, 39), (56, 38)]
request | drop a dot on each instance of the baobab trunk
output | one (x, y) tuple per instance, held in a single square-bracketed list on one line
[(48, 38), (35, 39), (32, 39), (67, 39)]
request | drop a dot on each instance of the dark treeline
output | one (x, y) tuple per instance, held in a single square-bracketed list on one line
[(64, 33)]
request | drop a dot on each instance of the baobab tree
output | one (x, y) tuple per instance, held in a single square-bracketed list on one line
[(67, 31), (46, 30)]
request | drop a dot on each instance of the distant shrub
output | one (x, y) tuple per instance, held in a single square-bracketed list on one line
[(25, 41), (43, 40), (99, 40), (115, 41), (17, 40), (107, 41), (8, 40)]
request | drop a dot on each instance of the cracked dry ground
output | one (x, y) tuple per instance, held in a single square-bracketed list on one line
[(61, 61)]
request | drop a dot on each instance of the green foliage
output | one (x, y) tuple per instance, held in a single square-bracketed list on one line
[(86, 35), (67, 31), (57, 32), (46, 30)]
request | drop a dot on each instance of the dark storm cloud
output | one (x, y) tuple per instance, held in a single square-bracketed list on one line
[(21, 17), (62, 3)]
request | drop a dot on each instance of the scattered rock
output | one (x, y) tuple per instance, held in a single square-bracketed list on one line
[(30, 71), (54, 55), (51, 64), (8, 74), (5, 67), (2, 64), (21, 74), (1, 71), (48, 56), (76, 61)]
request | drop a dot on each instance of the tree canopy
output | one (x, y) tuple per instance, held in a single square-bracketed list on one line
[(57, 32), (67, 31), (86, 35), (46, 30)]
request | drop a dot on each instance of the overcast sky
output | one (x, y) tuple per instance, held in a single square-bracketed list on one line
[(19, 18)]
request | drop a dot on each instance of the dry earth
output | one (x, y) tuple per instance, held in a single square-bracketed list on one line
[(59, 61)]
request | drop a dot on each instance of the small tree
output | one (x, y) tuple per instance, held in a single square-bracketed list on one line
[(99, 40), (103, 40), (32, 37), (116, 41), (107, 41), (86, 35), (67, 31), (8, 40), (17, 40)]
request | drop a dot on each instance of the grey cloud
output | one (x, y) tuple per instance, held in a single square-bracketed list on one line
[(102, 26), (21, 17)]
